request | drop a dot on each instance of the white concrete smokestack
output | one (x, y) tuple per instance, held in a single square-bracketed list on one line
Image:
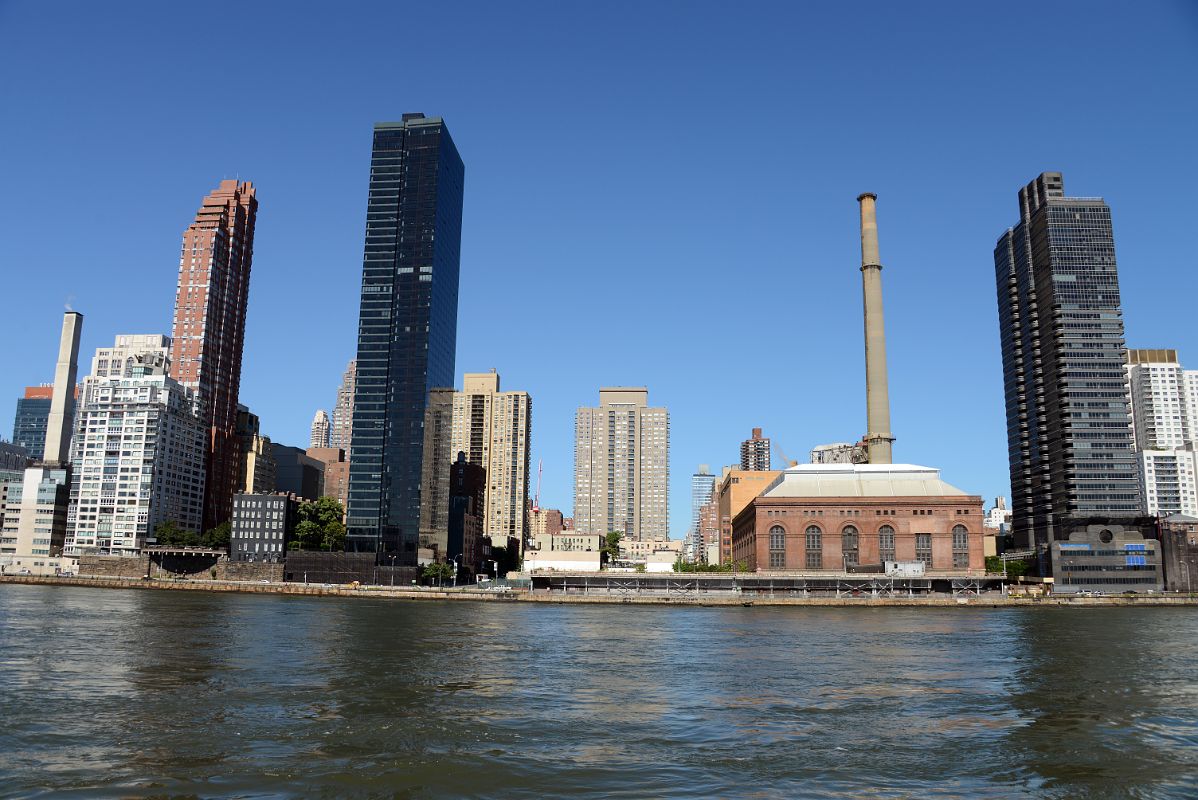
[(62, 401), (879, 439)]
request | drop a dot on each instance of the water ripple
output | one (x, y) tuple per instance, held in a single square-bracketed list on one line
[(110, 694)]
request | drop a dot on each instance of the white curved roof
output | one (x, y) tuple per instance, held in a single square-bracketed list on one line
[(861, 480)]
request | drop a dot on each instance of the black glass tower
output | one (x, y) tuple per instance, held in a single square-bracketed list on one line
[(29, 424), (1068, 424), (407, 328)]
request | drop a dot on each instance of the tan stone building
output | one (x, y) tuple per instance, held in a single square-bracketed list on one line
[(622, 466), (493, 429), (566, 541), (256, 468), (736, 489), (836, 517), (544, 520), (641, 549)]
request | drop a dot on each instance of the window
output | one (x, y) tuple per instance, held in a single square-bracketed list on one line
[(960, 547), (815, 545), (777, 547), (923, 548), (849, 544), (777, 538), (886, 543)]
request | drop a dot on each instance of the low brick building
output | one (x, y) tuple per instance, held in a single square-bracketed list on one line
[(840, 517)]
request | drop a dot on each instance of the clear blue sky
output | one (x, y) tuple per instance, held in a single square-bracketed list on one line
[(676, 179)]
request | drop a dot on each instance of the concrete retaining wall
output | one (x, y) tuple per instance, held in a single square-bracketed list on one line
[(170, 567), (557, 598)]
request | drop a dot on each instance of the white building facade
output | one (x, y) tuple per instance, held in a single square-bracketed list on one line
[(1164, 406), (137, 454), (320, 429)]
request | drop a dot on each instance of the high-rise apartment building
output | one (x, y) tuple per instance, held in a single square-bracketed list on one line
[(1061, 327), (493, 429), (296, 472), (702, 484), (755, 452), (467, 497), (320, 429), (407, 329), (256, 461), (209, 328), (1164, 406), (343, 410), (336, 472), (622, 466), (35, 513), (137, 455), (434, 480)]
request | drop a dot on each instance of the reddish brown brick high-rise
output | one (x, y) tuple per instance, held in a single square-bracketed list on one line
[(209, 327)]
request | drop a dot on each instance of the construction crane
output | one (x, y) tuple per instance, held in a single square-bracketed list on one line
[(536, 500), (788, 462)]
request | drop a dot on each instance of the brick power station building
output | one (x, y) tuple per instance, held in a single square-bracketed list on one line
[(838, 516)]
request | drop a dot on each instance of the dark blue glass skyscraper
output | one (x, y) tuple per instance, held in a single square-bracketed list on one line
[(407, 327), (29, 425)]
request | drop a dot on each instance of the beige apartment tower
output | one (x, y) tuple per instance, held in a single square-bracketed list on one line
[(493, 429), (622, 466)]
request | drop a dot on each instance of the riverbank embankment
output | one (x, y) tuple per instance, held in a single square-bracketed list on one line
[(985, 600)]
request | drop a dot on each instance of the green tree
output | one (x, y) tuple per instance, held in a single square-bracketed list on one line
[(319, 526), (610, 551), (334, 537), (438, 572), (1012, 569), (308, 535), (169, 534), (727, 566), (217, 538)]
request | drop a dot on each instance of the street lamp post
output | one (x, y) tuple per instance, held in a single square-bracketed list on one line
[(392, 557), (456, 567)]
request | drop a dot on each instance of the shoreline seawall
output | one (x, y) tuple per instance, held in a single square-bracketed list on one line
[(704, 600)]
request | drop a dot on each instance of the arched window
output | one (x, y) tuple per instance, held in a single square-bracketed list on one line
[(777, 538), (815, 548), (886, 543), (777, 547), (960, 547), (850, 545)]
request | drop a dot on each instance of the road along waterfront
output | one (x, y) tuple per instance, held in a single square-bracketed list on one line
[(227, 695)]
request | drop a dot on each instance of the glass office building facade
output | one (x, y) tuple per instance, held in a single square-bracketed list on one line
[(29, 425), (407, 329), (1061, 325)]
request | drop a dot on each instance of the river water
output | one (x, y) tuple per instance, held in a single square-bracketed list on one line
[(127, 693)]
